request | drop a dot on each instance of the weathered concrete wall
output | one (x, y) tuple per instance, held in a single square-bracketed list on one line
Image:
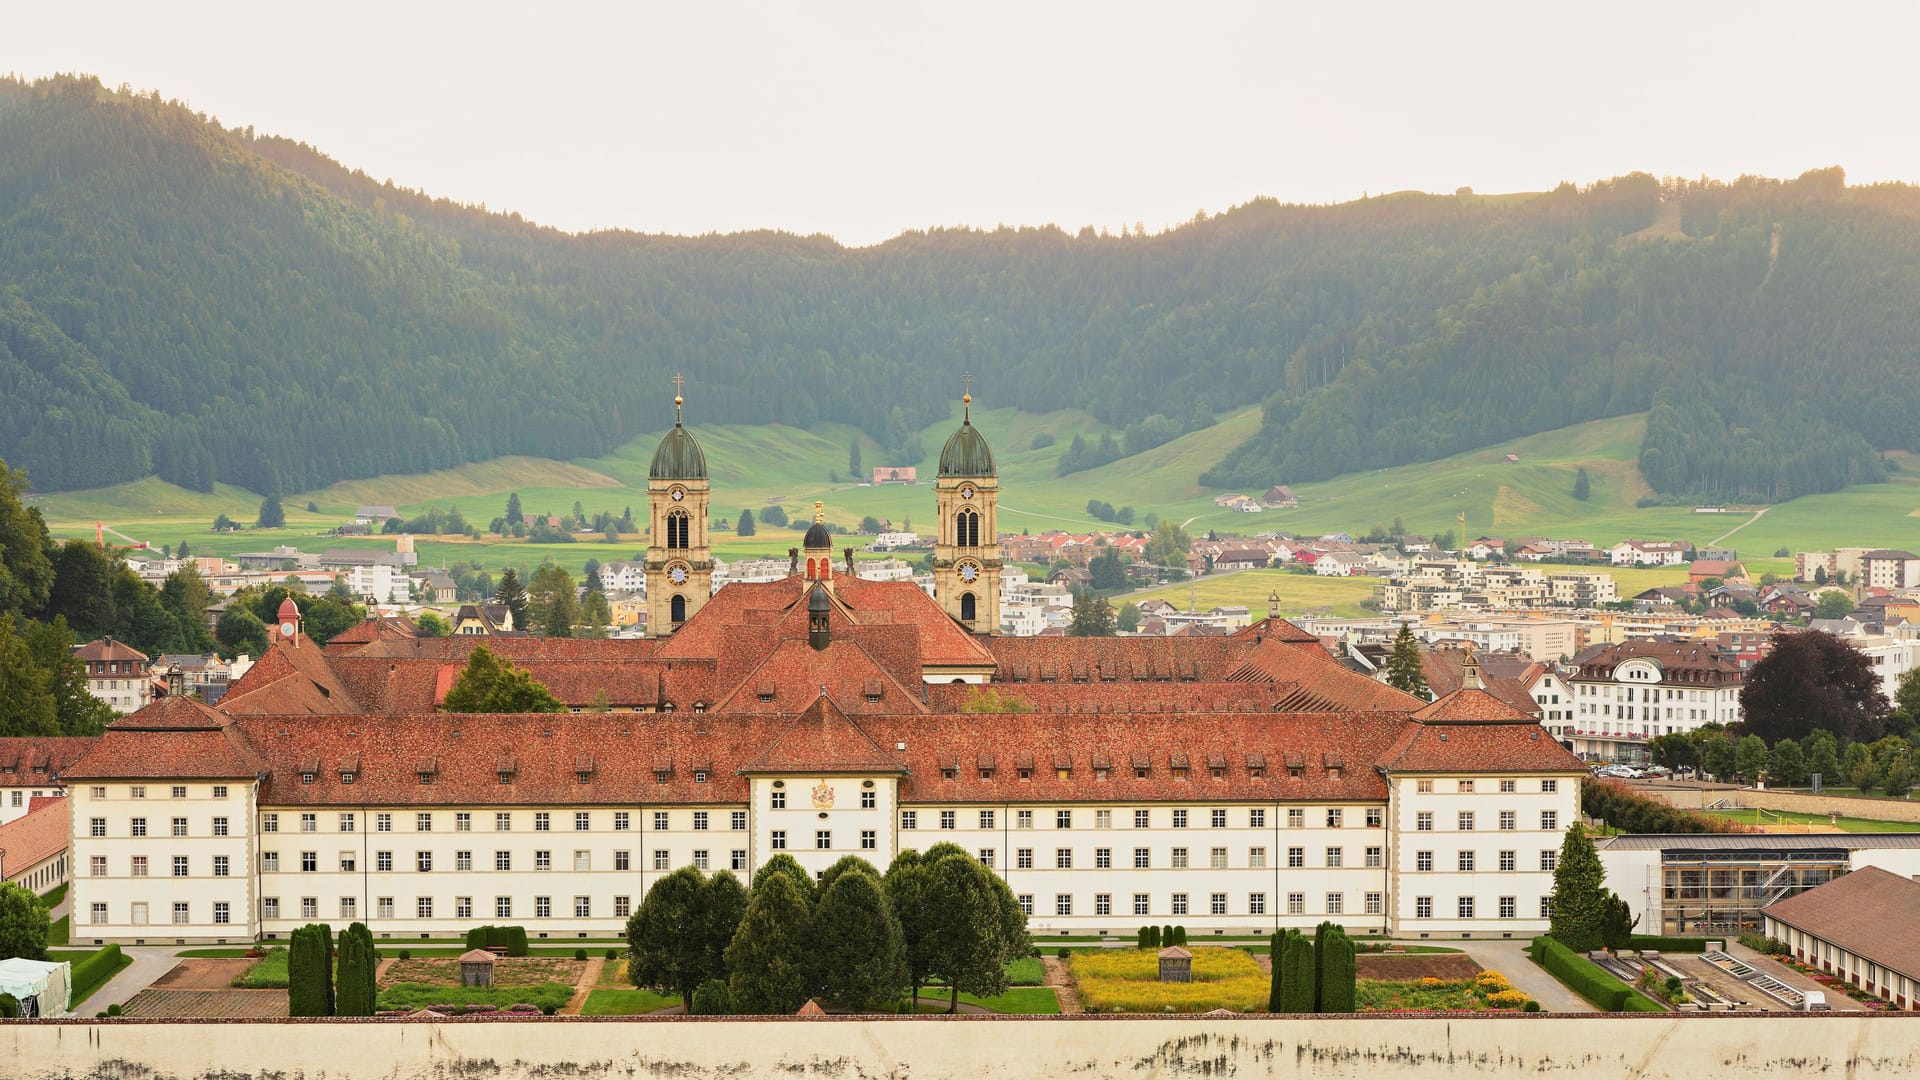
[(1653, 1047), (1692, 798)]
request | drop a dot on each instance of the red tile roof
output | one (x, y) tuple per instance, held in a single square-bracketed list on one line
[(290, 678), (31, 761), (106, 649), (823, 740), (1869, 912), (168, 754), (43, 832)]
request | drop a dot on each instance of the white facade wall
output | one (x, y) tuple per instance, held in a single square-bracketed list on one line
[(115, 899), (1620, 715), (1501, 891), (16, 797)]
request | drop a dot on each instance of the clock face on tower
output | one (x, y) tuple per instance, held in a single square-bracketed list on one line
[(677, 494), (968, 572), (677, 574), (286, 629), (966, 491)]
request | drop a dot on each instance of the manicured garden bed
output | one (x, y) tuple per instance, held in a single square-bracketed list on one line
[(507, 971), (1489, 991), (1128, 981), (269, 974), (548, 996)]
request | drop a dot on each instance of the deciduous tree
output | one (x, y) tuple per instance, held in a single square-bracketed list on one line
[(671, 938), (858, 952), (23, 923), (1809, 680), (767, 961)]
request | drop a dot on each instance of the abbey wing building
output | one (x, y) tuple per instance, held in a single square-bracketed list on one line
[(1233, 785)]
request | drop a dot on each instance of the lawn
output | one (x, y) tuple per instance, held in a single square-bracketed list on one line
[(1755, 816), (269, 974), (1017, 1001), (60, 928), (1128, 981)]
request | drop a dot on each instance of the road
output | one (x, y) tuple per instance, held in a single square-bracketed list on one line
[(1715, 542)]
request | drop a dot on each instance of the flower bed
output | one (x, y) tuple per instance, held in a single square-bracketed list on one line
[(1489, 991), (1128, 981), (547, 997), (517, 971)]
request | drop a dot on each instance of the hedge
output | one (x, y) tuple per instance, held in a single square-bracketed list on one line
[(1585, 978), (1655, 943), (91, 972), (511, 938)]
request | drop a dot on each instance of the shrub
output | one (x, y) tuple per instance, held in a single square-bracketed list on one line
[(91, 972), (416, 996), (1179, 935), (1530, 1006), (579, 954), (1508, 999), (355, 974), (1166, 938), (1146, 937), (613, 954), (406, 954), (1583, 977), (9, 1007), (712, 998), (1064, 953), (1295, 964), (1153, 938)]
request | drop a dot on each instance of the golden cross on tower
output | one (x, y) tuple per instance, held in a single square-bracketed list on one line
[(966, 397), (679, 381), (819, 512)]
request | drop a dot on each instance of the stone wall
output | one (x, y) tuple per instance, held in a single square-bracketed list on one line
[(985, 1048), (1694, 798)]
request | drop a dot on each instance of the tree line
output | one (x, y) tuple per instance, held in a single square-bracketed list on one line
[(1375, 333)]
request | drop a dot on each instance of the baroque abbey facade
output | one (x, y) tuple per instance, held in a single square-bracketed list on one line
[(1232, 784)]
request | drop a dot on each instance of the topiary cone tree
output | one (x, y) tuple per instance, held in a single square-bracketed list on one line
[(1296, 975)]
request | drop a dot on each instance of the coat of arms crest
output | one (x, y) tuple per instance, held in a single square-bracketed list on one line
[(822, 796)]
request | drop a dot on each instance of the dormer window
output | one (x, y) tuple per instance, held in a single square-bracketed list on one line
[(583, 777), (765, 695), (506, 777), (873, 699), (346, 778), (1217, 772), (1100, 774), (949, 772), (306, 778), (1025, 774), (699, 776)]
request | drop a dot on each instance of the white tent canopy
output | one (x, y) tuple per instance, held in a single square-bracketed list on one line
[(40, 986)]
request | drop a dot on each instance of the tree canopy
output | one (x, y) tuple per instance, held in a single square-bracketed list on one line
[(1813, 680), (491, 685)]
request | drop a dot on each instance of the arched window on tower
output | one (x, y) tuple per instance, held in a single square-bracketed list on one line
[(967, 607), (679, 528), (678, 609), (967, 529)]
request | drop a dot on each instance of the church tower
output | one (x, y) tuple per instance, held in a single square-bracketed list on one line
[(966, 551), (679, 560)]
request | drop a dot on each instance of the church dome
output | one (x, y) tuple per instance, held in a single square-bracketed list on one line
[(678, 458), (966, 453), (818, 538)]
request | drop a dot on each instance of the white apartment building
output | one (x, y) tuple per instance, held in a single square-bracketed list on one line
[(1625, 694), (379, 584), (624, 577), (1648, 553), (116, 674)]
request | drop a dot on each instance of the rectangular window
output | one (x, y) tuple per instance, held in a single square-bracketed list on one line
[(777, 799), (1257, 903), (1466, 821), (1179, 903), (1423, 821), (582, 821), (1140, 819), (179, 866), (269, 907), (139, 866), (543, 860), (1023, 819), (1062, 904), (869, 840), (221, 864), (986, 857), (1374, 858), (383, 860), (1466, 861), (463, 821), (1257, 858), (1103, 903), (97, 826), (423, 861), (309, 907), (423, 822), (1219, 818), (1296, 857), (1549, 860), (310, 862), (659, 821), (986, 819), (269, 862), (1546, 907), (1140, 904), (1549, 820), (349, 907), (219, 826), (137, 791), (1507, 860), (138, 827), (543, 821), (822, 839), (909, 820), (1256, 819), (1023, 858), (270, 823), (1336, 903), (1179, 858), (948, 819), (1103, 858), (1296, 903), (1466, 787), (1375, 903), (1423, 861), (1506, 787), (1336, 857), (699, 821), (98, 912), (180, 827), (582, 907), (1103, 819), (1549, 787), (1063, 819), (1465, 907), (622, 821), (737, 859), (1141, 859), (738, 820), (622, 907), (1179, 819), (179, 792), (503, 907), (1217, 858), (660, 857), (1424, 787), (543, 907), (308, 822), (97, 866), (1217, 904), (219, 791), (463, 860), (1026, 904), (869, 799), (423, 907), (582, 862), (503, 860), (1333, 817), (1506, 907), (1423, 907), (1506, 821), (779, 840), (1063, 858), (383, 823), (1296, 818), (180, 913), (622, 860), (1374, 817)]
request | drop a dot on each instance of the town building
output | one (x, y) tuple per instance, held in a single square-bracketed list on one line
[(30, 769), (1238, 781), (116, 674), (1842, 928), (1887, 568), (1648, 553), (1628, 693)]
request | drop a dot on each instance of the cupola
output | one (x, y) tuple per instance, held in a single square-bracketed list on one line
[(966, 452)]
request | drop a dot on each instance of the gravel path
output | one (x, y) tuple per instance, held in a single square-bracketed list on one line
[(1061, 980), (589, 978)]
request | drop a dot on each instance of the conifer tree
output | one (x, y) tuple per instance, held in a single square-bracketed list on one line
[(1404, 670), (272, 515), (1582, 487), (356, 990), (514, 595), (1295, 965), (1579, 893)]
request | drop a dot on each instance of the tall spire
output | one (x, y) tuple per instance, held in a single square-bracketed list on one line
[(679, 381), (966, 399), (819, 512)]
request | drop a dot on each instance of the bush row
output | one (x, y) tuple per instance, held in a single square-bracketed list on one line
[(90, 973), (1585, 978), (547, 996), (512, 938)]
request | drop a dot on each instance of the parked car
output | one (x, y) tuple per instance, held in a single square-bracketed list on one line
[(1658, 771)]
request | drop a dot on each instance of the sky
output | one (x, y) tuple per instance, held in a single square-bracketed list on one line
[(862, 120)]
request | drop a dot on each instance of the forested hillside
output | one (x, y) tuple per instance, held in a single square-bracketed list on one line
[(211, 305)]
